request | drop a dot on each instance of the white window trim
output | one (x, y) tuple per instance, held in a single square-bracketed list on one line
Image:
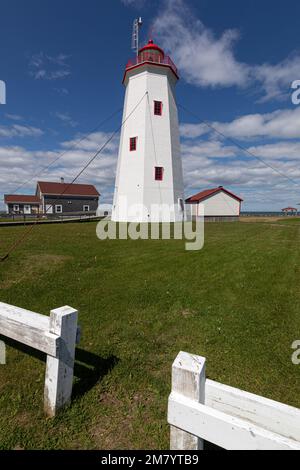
[(84, 208), (58, 211), (16, 207)]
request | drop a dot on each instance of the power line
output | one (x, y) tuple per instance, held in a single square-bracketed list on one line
[(237, 144), (30, 228)]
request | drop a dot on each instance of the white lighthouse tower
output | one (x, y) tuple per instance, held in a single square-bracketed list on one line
[(149, 182)]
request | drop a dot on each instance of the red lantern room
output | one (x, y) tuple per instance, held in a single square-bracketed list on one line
[(152, 53)]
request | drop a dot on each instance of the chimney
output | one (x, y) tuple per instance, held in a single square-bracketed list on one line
[(62, 180)]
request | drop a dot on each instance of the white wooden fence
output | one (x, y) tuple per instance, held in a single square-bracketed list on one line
[(56, 336), (203, 410)]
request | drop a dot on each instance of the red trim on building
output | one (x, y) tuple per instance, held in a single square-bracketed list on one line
[(157, 64), (158, 108), (210, 192), (132, 144), (21, 199), (159, 173)]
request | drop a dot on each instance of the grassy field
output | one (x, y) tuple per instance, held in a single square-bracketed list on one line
[(236, 302)]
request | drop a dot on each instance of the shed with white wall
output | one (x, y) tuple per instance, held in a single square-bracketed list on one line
[(219, 204)]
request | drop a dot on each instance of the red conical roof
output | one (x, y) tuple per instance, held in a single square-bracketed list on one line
[(151, 46)]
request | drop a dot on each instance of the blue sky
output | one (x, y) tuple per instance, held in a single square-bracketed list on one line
[(63, 63)]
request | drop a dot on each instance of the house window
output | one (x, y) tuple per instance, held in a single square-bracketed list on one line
[(157, 108), (16, 208), (132, 144), (159, 173), (86, 208), (58, 209)]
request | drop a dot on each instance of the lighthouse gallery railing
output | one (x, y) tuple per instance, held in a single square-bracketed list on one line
[(156, 59)]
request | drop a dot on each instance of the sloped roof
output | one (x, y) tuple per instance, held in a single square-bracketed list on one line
[(21, 199), (67, 189), (210, 192), (290, 209)]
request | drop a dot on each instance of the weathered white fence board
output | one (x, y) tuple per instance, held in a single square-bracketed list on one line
[(59, 370), (188, 379), (36, 334), (272, 415), (56, 336), (222, 429), (227, 417)]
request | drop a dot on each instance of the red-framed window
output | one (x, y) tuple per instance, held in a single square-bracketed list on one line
[(132, 144), (158, 108), (159, 173)]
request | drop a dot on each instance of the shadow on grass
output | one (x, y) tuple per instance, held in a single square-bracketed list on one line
[(89, 368)]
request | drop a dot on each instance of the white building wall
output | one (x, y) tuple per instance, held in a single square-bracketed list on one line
[(157, 145), (220, 204)]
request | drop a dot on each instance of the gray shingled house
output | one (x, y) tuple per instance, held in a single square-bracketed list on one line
[(56, 199)]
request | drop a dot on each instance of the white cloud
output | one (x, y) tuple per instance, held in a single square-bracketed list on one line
[(201, 57), (92, 143), (45, 67), (208, 149), (62, 91), (276, 79), (133, 3), (17, 130), (207, 60), (13, 117), (65, 118), (18, 165), (280, 124), (280, 150)]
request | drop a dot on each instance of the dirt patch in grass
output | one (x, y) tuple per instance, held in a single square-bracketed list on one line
[(122, 420), (186, 312), (23, 419), (32, 267)]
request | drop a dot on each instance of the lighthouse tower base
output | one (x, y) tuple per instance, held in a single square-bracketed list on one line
[(140, 213)]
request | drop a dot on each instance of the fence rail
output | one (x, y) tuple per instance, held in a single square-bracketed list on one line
[(203, 410), (56, 336)]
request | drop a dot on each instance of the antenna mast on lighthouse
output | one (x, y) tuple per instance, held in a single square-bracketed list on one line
[(137, 24)]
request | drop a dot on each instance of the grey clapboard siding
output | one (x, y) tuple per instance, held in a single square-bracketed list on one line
[(72, 203)]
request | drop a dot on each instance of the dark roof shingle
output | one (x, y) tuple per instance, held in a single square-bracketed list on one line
[(21, 198), (67, 189)]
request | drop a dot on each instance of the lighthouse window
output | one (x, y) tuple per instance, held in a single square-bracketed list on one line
[(159, 172), (132, 143), (157, 108)]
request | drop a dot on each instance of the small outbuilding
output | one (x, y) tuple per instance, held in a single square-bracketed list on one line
[(290, 211), (219, 205)]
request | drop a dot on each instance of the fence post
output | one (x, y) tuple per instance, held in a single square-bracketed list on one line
[(188, 379), (59, 371)]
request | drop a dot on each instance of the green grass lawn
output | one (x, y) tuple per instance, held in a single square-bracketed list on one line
[(236, 302)]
